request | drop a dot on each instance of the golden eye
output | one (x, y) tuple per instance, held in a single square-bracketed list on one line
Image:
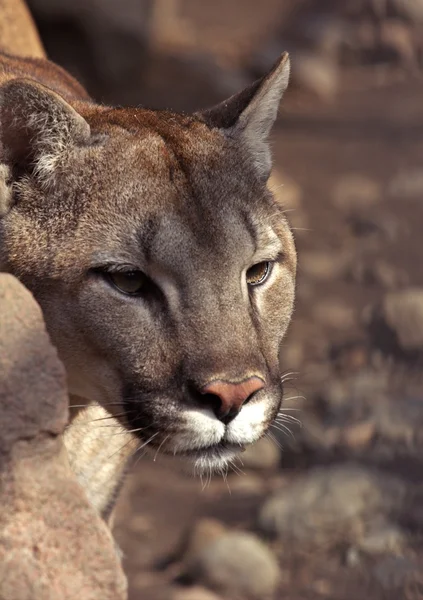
[(128, 282), (258, 273)]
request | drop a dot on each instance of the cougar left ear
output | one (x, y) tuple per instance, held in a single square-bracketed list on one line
[(249, 115), (36, 126)]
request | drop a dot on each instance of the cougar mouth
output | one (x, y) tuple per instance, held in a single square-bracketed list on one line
[(212, 459), (215, 450)]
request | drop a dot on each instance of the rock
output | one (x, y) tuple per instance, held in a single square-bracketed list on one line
[(377, 273), (248, 484), (264, 455), (194, 593), (316, 74), (330, 506), (397, 37), (238, 564), (403, 313), (324, 32), (407, 184), (322, 266), (340, 395), (203, 533), (355, 191), (350, 356), (386, 538), (333, 313), (410, 9), (359, 435), (399, 423), (52, 542), (372, 224), (395, 572), (388, 276)]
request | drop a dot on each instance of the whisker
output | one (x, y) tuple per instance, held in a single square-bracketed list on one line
[(288, 419), (235, 468), (122, 448), (283, 429), (144, 445), (95, 405), (123, 414), (158, 449), (288, 373), (271, 437), (295, 398)]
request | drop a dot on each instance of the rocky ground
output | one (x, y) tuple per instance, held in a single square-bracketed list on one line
[(331, 508)]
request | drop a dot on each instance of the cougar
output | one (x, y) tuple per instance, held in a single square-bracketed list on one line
[(163, 264)]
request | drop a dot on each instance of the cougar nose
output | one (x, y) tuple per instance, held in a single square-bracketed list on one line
[(227, 398)]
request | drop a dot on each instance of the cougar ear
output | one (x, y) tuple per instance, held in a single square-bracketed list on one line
[(249, 115), (36, 126)]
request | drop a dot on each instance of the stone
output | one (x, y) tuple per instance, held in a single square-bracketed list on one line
[(351, 356), (403, 313), (52, 542), (325, 32), (386, 538), (194, 593), (238, 564), (356, 191), (410, 9), (330, 506), (407, 184), (399, 422), (203, 533), (316, 74), (322, 266), (247, 484), (379, 273), (332, 312), (397, 37), (264, 455), (394, 572), (388, 276), (359, 435)]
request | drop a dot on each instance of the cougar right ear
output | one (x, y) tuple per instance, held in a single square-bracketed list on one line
[(37, 126), (248, 116)]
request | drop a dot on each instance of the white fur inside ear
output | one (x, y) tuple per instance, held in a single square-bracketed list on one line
[(5, 191)]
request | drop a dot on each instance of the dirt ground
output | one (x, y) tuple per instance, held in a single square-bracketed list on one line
[(351, 161)]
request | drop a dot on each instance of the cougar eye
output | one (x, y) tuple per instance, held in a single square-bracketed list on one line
[(258, 273), (128, 282)]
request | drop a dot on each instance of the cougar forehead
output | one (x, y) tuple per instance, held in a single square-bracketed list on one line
[(154, 188)]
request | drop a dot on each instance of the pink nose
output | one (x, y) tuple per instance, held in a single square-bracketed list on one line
[(232, 396)]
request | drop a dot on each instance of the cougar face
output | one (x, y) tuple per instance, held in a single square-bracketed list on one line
[(164, 267)]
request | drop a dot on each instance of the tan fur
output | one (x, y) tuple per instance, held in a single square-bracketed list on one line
[(87, 191)]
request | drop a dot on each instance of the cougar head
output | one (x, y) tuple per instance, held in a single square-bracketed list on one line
[(163, 264)]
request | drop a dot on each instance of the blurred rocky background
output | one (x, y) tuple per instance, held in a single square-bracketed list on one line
[(330, 505)]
